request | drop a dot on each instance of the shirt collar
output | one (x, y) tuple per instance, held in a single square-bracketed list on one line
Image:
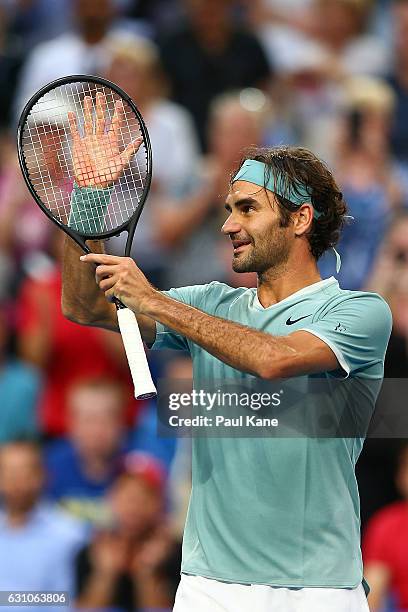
[(318, 286)]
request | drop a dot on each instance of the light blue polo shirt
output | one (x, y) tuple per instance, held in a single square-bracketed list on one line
[(284, 511)]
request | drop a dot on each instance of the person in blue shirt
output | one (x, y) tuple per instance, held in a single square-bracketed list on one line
[(39, 543), (273, 522), (82, 466), (20, 385)]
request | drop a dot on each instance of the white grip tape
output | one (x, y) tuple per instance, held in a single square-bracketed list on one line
[(135, 353)]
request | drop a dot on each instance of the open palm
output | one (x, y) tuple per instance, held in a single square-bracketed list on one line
[(97, 159)]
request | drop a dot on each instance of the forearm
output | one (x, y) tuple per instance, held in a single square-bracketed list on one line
[(98, 592), (243, 348), (82, 301)]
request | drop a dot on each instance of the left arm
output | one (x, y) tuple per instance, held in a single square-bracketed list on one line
[(243, 348)]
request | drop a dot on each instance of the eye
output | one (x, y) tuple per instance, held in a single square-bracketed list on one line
[(247, 208)]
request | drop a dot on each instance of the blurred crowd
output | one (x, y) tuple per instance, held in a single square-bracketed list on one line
[(92, 499)]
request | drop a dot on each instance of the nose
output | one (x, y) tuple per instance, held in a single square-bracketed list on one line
[(230, 226)]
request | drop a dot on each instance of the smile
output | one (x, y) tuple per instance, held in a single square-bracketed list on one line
[(240, 245)]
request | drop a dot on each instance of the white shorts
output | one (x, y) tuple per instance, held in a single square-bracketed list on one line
[(197, 594)]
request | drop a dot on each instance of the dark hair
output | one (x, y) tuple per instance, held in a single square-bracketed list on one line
[(298, 165)]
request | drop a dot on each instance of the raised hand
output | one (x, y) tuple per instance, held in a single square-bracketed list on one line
[(109, 554), (98, 161)]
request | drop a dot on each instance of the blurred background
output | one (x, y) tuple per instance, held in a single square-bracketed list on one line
[(92, 500)]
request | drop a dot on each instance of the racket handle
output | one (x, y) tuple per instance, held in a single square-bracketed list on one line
[(135, 353)]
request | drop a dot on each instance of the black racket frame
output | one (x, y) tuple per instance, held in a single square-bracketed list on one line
[(130, 224)]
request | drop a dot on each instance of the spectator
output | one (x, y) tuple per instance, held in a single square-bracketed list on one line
[(399, 80), (19, 390), (135, 564), (189, 225), (37, 21), (338, 27), (65, 351), (390, 279), (82, 51), (135, 67), (210, 55), (369, 177), (38, 542), (375, 468), (310, 94), (341, 26), (82, 466), (385, 545), (24, 229)]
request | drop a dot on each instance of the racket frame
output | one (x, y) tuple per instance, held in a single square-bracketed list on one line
[(130, 224)]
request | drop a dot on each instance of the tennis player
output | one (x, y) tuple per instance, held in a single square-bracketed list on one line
[(273, 524)]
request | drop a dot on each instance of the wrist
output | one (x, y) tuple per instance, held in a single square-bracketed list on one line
[(154, 305)]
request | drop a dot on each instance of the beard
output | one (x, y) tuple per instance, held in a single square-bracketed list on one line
[(269, 252)]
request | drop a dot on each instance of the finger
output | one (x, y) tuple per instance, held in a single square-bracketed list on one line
[(88, 123), (130, 150), (107, 283), (101, 258), (103, 271), (117, 118), (100, 113), (73, 125)]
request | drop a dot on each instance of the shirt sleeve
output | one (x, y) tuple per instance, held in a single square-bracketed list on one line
[(357, 328), (88, 209), (166, 338)]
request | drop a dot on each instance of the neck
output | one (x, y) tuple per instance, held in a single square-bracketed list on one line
[(276, 284)]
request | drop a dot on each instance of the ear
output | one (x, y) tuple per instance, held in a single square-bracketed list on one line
[(303, 219)]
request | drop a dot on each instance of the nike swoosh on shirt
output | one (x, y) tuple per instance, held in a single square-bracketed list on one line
[(290, 322)]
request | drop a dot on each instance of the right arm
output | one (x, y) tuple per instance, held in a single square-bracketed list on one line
[(98, 571), (83, 302), (97, 164)]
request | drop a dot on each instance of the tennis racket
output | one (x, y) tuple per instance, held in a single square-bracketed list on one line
[(85, 155)]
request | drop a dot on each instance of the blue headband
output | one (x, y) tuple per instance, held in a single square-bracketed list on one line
[(255, 172)]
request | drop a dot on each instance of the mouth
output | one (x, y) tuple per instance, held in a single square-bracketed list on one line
[(240, 245)]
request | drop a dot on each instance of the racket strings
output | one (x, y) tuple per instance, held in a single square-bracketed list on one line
[(48, 150)]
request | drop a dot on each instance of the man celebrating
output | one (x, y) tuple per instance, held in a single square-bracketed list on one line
[(273, 524)]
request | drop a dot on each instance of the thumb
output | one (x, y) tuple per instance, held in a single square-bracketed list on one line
[(130, 150)]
